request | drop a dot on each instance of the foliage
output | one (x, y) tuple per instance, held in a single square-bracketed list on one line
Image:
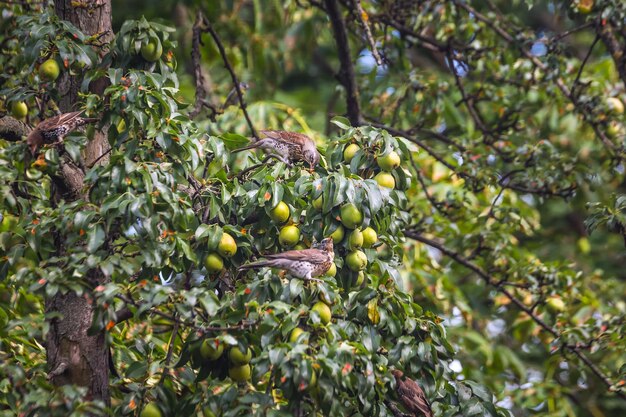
[(504, 132)]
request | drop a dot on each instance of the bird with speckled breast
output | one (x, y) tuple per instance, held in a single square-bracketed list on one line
[(411, 395), (289, 147), (304, 264), (54, 129)]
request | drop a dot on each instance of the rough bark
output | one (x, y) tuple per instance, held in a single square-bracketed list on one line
[(74, 357)]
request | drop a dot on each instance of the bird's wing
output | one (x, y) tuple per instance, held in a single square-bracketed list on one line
[(58, 120), (288, 138), (309, 255), (413, 397)]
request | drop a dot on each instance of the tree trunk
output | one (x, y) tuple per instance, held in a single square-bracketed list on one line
[(74, 357)]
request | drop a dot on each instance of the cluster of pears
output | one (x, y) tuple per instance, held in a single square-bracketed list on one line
[(49, 71), (386, 162), (214, 261), (239, 369)]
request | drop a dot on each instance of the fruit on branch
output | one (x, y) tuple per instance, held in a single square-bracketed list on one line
[(615, 105), (369, 237), (323, 310), (338, 234), (49, 70), (385, 179), (317, 203), (151, 410), (295, 334), (351, 216), (332, 271), (240, 373), (555, 303), (389, 161), (211, 349), (213, 263), (356, 239), (356, 260), (280, 213), (237, 357), (584, 6), (152, 50), (350, 151), (19, 110), (289, 236), (227, 246)]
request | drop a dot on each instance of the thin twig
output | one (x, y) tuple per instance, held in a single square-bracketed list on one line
[(346, 74), (230, 69), (519, 304), (560, 83), (582, 66), (196, 59), (364, 18)]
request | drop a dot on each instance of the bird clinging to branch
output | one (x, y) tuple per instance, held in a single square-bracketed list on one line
[(54, 129), (304, 264), (411, 395), (289, 147)]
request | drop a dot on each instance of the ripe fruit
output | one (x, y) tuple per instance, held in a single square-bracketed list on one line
[(584, 6), (299, 246), (389, 161), (280, 213), (237, 357), (332, 271), (152, 50), (121, 126), (356, 239), (356, 260), (227, 246), (369, 237), (240, 373), (295, 334), (360, 278), (338, 234), (49, 70), (151, 410), (385, 179), (555, 303), (213, 262), (351, 216), (211, 349), (614, 128), (289, 236), (615, 105), (324, 311), (317, 203), (19, 109), (8, 223), (350, 151)]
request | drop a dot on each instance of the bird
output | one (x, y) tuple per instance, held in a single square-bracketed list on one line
[(304, 264), (411, 395), (54, 129), (232, 98), (289, 147)]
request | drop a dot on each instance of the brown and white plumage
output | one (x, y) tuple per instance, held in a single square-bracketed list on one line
[(411, 395), (289, 147), (54, 129), (304, 264)]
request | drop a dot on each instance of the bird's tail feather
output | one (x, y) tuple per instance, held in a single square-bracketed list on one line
[(245, 148), (255, 265)]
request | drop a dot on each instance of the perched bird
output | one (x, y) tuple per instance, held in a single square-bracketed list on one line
[(232, 98), (54, 129), (304, 264), (289, 147), (411, 395)]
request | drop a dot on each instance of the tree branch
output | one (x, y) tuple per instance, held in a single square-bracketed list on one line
[(196, 59), (346, 75), (233, 76), (497, 284), (363, 17)]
